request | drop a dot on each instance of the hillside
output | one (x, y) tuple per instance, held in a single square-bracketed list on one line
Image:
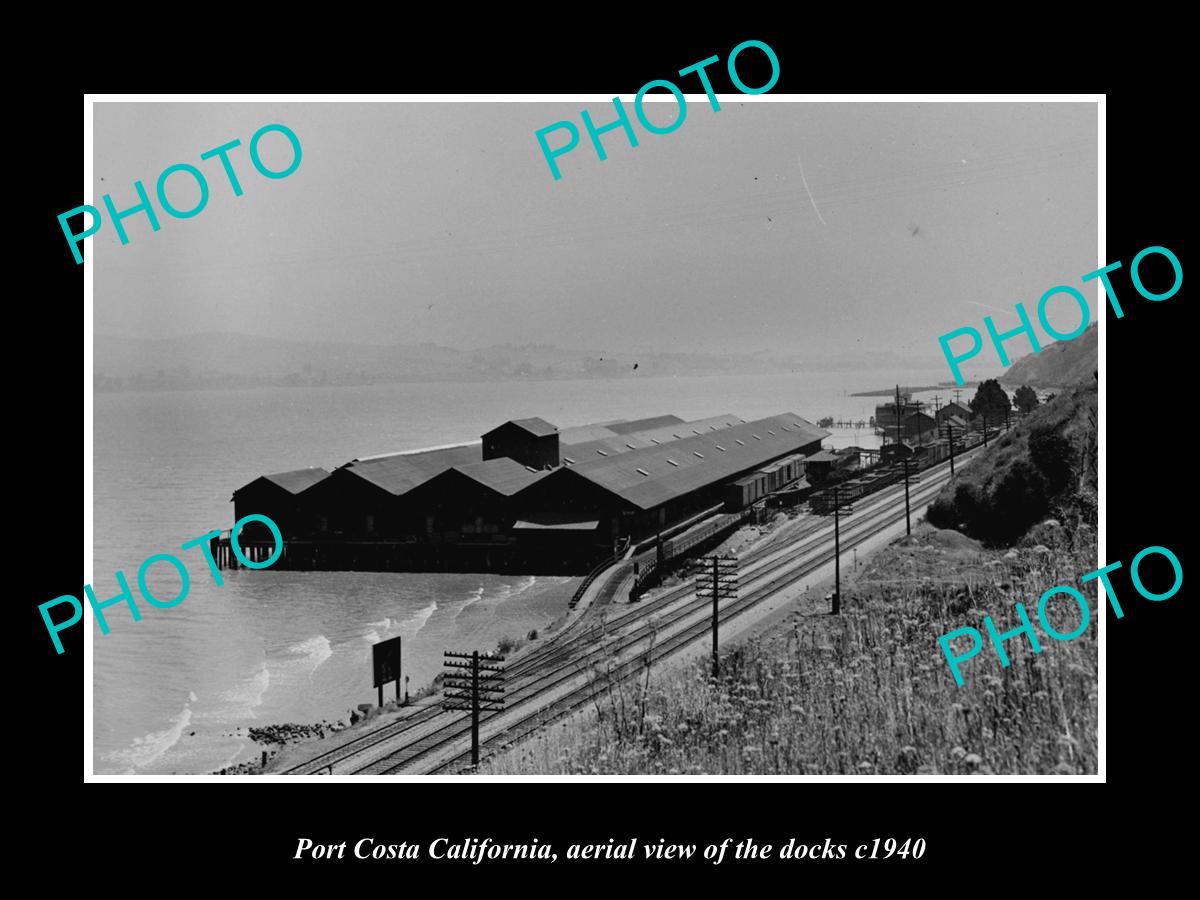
[(1045, 466), (865, 692), (1059, 364)]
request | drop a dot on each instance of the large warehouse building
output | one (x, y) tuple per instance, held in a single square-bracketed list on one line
[(526, 497)]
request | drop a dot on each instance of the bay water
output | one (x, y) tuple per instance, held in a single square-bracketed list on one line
[(176, 691)]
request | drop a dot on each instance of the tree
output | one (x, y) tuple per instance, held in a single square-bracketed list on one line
[(990, 400), (1053, 454), (1018, 501), (1025, 399)]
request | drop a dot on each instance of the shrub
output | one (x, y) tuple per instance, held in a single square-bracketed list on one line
[(1051, 452), (1018, 501)]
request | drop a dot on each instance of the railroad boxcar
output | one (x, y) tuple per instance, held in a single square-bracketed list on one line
[(745, 491)]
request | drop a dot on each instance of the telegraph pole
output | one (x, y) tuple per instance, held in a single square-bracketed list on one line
[(720, 581), (820, 505), (907, 509), (472, 684), (837, 553), (899, 415), (950, 438)]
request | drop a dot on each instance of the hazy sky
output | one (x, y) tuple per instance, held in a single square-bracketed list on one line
[(441, 222)]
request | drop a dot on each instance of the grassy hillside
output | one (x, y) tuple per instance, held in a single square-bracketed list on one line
[(1045, 466), (866, 692), (1058, 365), (870, 691)]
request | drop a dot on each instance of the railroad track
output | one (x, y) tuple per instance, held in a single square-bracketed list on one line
[(696, 630), (568, 654), (767, 581)]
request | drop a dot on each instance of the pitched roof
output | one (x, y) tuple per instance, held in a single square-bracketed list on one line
[(505, 476), (596, 431), (644, 424), (650, 476), (579, 434), (298, 479), (690, 429), (401, 472), (535, 426), (637, 440)]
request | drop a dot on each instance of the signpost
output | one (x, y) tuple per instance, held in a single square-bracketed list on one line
[(386, 658)]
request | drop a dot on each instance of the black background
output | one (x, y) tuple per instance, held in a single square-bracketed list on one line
[(977, 834)]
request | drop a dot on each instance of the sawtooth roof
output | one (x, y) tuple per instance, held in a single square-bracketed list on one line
[(504, 476), (298, 479), (294, 481), (401, 472)]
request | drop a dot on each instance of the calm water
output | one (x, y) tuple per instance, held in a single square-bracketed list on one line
[(172, 690)]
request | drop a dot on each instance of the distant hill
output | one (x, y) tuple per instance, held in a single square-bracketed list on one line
[(1059, 364), (231, 360)]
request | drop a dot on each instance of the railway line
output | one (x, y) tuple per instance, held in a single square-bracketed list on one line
[(695, 620), (665, 623)]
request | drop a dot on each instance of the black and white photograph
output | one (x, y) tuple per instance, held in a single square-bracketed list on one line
[(529, 438)]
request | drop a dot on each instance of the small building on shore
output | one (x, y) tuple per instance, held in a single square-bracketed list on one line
[(919, 427), (952, 409)]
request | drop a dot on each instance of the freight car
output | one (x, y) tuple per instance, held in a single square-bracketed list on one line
[(746, 491), (751, 488), (784, 471), (676, 546)]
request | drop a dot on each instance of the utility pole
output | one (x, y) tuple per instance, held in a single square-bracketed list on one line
[(472, 684), (950, 438), (907, 478), (716, 577), (837, 553), (957, 395), (839, 507), (985, 429), (897, 412)]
